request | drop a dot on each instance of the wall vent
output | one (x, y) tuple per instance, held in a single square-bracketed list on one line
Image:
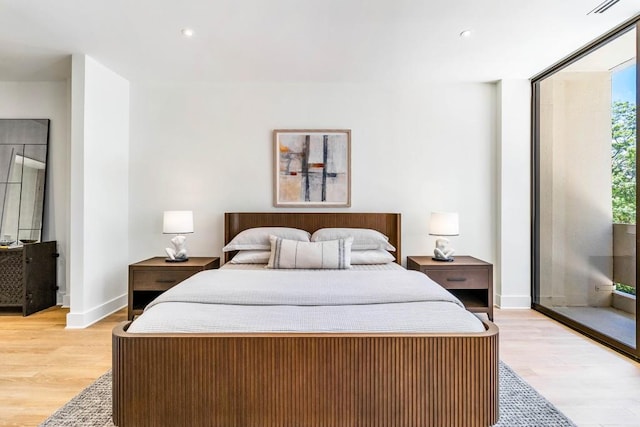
[(603, 7)]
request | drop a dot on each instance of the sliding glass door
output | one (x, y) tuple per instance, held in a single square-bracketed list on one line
[(585, 240)]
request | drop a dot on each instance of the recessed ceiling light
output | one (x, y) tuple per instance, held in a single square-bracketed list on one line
[(465, 34), (187, 32)]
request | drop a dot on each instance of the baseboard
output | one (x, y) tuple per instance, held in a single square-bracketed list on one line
[(513, 301), (64, 300), (88, 318)]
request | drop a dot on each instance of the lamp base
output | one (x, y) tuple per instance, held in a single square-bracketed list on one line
[(442, 260), (176, 259)]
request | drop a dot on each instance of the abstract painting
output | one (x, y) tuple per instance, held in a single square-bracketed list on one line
[(312, 168)]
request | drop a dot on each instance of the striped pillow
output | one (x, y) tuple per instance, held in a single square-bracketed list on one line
[(332, 254)]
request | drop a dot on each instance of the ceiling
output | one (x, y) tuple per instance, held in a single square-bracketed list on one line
[(377, 41)]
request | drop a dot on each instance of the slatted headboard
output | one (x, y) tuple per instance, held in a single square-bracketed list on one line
[(386, 223)]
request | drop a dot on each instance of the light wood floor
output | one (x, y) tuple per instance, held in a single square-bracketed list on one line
[(43, 365), (590, 383)]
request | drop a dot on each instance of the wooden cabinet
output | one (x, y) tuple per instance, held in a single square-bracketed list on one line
[(28, 277), (153, 276), (468, 278)]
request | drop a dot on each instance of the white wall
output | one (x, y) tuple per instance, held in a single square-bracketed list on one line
[(513, 275), (99, 198), (414, 150), (48, 100)]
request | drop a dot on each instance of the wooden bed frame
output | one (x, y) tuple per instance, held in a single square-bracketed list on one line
[(306, 379)]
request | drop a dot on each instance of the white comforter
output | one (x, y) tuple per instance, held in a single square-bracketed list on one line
[(306, 301)]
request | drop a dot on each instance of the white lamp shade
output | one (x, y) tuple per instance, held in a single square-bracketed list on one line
[(177, 222), (444, 224)]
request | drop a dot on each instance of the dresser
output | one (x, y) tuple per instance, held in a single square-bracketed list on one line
[(153, 276), (28, 277)]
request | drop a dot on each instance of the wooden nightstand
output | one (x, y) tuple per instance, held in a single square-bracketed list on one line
[(468, 278), (153, 276)]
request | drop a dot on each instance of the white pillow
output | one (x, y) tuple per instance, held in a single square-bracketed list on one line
[(251, 257), (371, 256), (334, 254), (363, 238), (258, 238)]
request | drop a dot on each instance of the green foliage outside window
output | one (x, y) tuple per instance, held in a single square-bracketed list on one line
[(623, 168), (625, 288), (623, 162)]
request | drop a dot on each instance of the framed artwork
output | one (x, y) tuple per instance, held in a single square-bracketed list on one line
[(312, 168)]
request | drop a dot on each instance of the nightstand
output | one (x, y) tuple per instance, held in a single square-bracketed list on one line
[(153, 276), (468, 278)]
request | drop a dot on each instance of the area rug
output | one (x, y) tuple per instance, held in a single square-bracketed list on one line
[(520, 406)]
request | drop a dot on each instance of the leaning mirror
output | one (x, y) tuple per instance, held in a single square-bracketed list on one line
[(23, 161)]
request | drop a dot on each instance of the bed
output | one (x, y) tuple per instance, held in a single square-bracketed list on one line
[(305, 378)]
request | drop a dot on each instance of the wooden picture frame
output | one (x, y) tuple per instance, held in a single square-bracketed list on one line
[(312, 168)]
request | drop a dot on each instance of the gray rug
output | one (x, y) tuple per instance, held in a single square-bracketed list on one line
[(520, 406)]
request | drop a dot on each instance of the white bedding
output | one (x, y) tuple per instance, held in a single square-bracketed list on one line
[(259, 300)]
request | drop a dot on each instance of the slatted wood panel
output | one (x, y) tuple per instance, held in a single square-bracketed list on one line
[(386, 223), (269, 380)]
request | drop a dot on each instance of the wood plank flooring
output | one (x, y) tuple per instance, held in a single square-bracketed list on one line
[(590, 383), (43, 365)]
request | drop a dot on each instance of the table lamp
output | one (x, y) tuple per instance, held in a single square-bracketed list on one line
[(178, 223), (443, 224)]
